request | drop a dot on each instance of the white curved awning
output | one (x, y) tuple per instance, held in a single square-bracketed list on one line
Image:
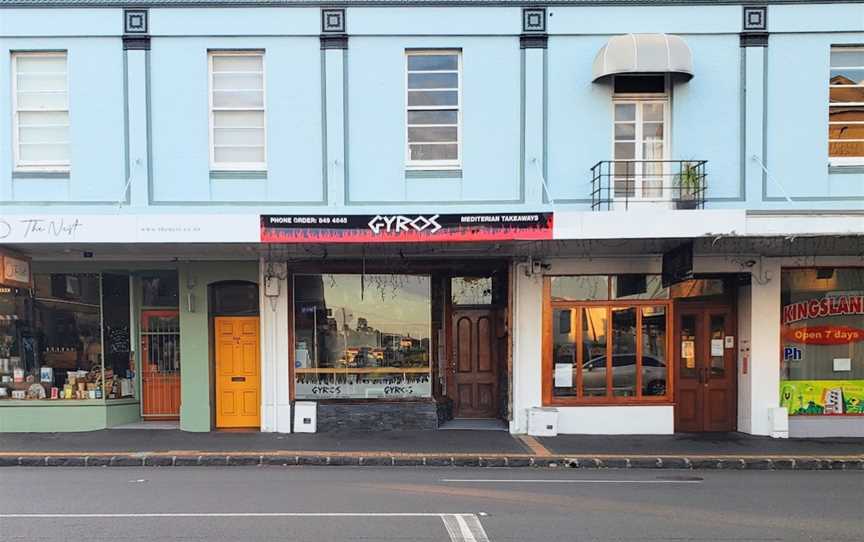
[(644, 53)]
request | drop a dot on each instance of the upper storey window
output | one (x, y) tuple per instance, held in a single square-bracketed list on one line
[(40, 97), (434, 108), (846, 106), (237, 113), (641, 111)]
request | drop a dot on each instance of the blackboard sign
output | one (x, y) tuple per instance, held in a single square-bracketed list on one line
[(115, 322)]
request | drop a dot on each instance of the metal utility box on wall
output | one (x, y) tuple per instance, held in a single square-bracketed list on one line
[(543, 422), (305, 417)]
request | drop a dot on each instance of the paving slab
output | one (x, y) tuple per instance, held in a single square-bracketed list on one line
[(164, 440), (703, 444)]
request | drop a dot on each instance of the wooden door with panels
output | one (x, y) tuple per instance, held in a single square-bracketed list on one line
[(706, 368), (473, 382), (238, 368)]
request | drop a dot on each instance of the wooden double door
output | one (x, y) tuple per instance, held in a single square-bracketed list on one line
[(706, 375), (473, 380), (238, 368)]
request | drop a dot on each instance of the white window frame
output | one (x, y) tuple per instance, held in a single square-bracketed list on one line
[(842, 160), (435, 164), (19, 165), (638, 99), (235, 166)]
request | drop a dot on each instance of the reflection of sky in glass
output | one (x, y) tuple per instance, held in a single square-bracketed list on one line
[(398, 304)]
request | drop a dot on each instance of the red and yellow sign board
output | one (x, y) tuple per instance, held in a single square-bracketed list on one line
[(15, 270), (826, 335)]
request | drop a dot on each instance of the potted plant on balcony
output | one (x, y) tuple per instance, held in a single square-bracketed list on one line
[(689, 185)]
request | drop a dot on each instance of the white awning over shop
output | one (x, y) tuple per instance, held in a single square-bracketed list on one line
[(644, 53)]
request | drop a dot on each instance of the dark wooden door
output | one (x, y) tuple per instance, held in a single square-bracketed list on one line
[(706, 378), (473, 382)]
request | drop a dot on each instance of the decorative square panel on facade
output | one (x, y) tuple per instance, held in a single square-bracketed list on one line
[(534, 20), (333, 21), (135, 21), (755, 19)]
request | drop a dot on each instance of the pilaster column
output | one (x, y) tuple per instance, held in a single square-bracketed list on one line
[(764, 356), (533, 41), (136, 51), (334, 59), (527, 337), (275, 360), (754, 53)]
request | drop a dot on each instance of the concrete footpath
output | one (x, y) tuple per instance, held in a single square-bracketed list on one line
[(167, 447)]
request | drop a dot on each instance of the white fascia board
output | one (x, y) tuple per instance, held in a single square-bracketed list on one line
[(766, 225), (156, 228), (647, 224)]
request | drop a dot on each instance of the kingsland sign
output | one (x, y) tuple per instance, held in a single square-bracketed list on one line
[(840, 305)]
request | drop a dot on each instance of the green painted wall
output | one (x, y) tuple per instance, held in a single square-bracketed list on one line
[(122, 413), (196, 388), (62, 416)]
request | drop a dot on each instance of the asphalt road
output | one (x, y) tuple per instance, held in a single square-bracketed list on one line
[(399, 504)]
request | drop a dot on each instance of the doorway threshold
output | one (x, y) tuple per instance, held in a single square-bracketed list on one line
[(475, 424), (165, 424)]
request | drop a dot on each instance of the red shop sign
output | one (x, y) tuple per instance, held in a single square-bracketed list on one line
[(406, 228), (823, 335)]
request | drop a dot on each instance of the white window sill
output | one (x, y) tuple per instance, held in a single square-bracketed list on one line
[(851, 167), (433, 167), (228, 174), (430, 173), (41, 173)]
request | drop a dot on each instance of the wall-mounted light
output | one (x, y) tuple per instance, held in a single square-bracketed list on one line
[(190, 302)]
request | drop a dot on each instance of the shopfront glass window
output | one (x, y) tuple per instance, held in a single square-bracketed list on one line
[(160, 289), (116, 335), (638, 287), (822, 350), (582, 287), (51, 347), (362, 336), (624, 351), (616, 346), (564, 351), (594, 344), (471, 290), (654, 377)]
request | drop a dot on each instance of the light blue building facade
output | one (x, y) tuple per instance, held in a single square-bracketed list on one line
[(158, 141)]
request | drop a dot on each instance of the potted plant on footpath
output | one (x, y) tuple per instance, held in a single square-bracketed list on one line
[(690, 187)]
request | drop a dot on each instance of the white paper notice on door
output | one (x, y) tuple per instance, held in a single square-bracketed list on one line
[(563, 375), (716, 347)]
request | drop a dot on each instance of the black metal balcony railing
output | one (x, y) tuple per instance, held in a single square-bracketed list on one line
[(618, 184)]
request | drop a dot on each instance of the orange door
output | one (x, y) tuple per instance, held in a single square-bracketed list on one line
[(238, 368), (160, 364)]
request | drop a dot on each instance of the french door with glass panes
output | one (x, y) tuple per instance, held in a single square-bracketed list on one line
[(640, 149)]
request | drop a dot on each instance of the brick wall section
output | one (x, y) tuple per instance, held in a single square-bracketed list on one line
[(377, 416)]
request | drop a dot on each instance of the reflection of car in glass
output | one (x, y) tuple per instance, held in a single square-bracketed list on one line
[(364, 358), (624, 374)]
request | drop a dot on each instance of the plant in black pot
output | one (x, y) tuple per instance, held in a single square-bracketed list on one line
[(690, 187)]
